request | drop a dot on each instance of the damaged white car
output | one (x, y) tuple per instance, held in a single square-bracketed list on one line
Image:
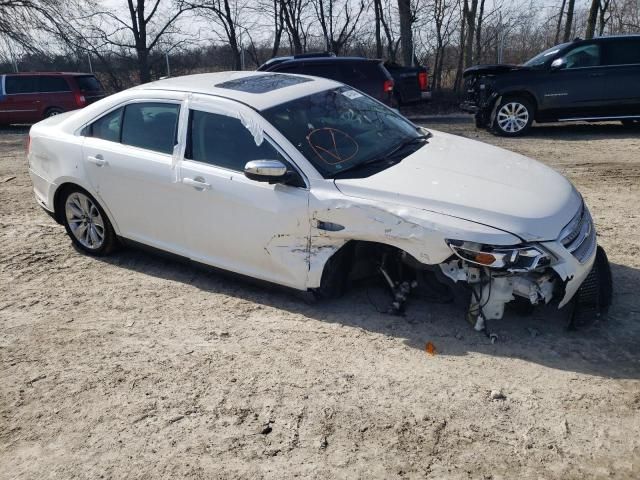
[(310, 184)]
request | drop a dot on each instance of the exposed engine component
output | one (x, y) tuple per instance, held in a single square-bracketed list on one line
[(491, 291)]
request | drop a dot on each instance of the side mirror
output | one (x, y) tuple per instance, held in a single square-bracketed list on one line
[(558, 64), (271, 171)]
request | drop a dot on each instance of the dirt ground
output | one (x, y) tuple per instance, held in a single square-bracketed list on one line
[(137, 366)]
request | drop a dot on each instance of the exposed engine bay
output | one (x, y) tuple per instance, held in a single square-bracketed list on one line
[(490, 290)]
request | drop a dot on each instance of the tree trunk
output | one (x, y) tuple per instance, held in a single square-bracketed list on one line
[(406, 36), (143, 65), (457, 84), (569, 24), (591, 21), (378, 14), (470, 20), (479, 32), (557, 37), (278, 18)]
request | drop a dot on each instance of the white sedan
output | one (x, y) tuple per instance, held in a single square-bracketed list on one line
[(310, 184)]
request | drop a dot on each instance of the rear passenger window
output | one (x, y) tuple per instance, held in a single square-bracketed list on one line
[(583, 56), (53, 84), (622, 52), (107, 127), (20, 84), (224, 142), (152, 126)]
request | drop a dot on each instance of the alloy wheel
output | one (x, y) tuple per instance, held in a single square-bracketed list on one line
[(85, 220), (512, 117)]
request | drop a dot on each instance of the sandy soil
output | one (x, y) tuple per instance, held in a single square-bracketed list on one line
[(138, 366)]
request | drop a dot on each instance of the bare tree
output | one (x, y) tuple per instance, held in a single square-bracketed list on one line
[(225, 14), (406, 35), (294, 18), (569, 24), (557, 37), (338, 21)]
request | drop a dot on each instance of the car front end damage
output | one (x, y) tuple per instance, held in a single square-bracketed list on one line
[(538, 272), (532, 273)]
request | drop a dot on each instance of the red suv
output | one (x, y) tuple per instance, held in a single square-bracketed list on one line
[(30, 97)]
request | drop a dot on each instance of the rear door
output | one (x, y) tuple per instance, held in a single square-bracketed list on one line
[(20, 102), (128, 156), (577, 89), (54, 95), (621, 67)]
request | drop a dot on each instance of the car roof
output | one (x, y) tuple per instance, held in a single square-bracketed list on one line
[(260, 90)]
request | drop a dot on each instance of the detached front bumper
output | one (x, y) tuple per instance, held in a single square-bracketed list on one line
[(570, 270)]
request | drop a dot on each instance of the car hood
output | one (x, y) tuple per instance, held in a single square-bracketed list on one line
[(492, 69), (474, 181)]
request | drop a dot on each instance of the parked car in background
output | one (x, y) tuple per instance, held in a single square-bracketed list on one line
[(589, 80), (368, 76), (30, 97), (308, 183), (410, 84)]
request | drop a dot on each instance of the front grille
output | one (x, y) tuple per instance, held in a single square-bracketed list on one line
[(579, 236)]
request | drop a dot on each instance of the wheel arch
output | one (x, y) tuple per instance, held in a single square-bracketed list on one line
[(519, 94), (59, 195), (337, 268)]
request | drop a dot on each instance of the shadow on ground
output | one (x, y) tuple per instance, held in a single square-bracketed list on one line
[(607, 348)]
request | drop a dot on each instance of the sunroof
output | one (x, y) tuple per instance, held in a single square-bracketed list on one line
[(262, 83)]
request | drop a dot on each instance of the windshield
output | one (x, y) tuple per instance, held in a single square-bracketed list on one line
[(340, 129), (544, 56)]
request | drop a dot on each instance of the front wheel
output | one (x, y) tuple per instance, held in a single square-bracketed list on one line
[(514, 117), (87, 224)]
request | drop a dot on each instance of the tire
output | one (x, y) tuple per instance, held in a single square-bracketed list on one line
[(86, 223), (52, 112), (514, 116)]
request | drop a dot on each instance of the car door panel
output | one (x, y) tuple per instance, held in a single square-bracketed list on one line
[(138, 187), (576, 89), (232, 222), (248, 227)]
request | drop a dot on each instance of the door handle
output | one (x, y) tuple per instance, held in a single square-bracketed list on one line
[(198, 183), (596, 74), (97, 160)]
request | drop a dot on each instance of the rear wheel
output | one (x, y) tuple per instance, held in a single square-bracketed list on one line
[(52, 112), (86, 223), (514, 116)]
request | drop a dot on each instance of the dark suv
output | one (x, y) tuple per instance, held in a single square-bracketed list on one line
[(30, 97), (590, 80), (368, 76)]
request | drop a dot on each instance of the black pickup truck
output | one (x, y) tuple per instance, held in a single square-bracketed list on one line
[(587, 80), (410, 84)]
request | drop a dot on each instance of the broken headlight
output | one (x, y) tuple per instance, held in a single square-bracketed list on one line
[(516, 258)]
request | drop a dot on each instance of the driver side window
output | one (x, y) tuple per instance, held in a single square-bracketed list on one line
[(583, 56), (224, 141)]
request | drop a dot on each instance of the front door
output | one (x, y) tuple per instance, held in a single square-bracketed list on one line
[(577, 89), (128, 160), (231, 222)]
